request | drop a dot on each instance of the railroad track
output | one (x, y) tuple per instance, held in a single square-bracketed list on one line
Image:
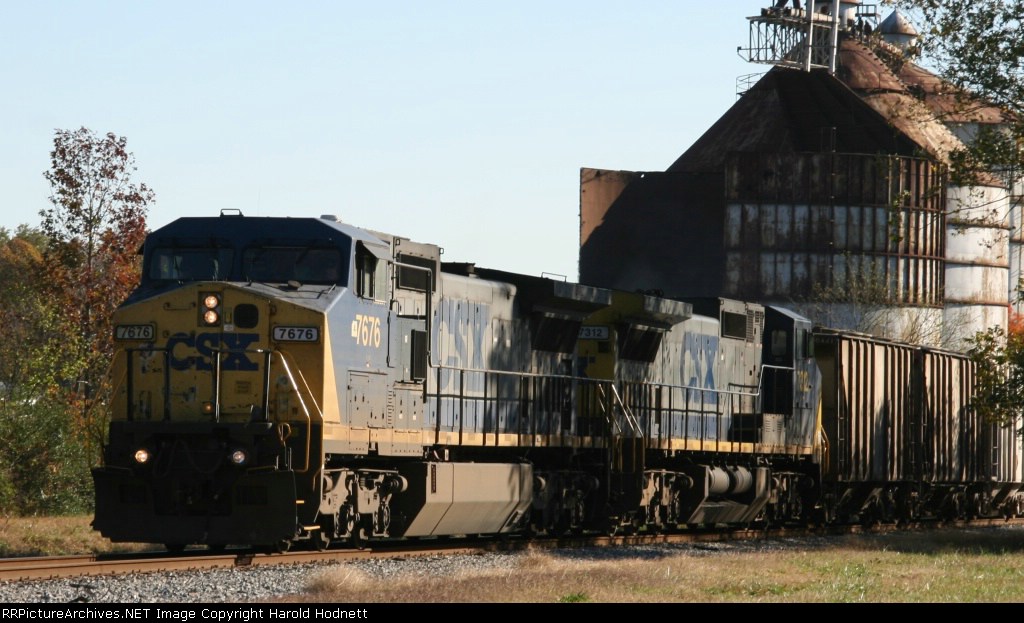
[(52, 567)]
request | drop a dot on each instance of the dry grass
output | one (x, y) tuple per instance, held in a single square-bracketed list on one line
[(54, 536), (977, 566)]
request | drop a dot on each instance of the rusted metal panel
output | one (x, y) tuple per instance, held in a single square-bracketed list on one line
[(599, 189), (777, 246), (945, 101), (795, 111)]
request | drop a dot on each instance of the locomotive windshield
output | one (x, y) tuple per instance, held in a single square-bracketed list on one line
[(279, 264), (282, 264), (190, 263)]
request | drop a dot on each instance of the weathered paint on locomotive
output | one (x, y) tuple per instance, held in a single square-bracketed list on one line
[(690, 377)]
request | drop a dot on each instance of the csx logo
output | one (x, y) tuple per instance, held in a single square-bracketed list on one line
[(207, 345)]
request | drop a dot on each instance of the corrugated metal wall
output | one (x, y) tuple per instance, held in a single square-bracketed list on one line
[(867, 410), (794, 221)]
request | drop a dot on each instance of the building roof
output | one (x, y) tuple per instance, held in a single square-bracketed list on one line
[(791, 110), (867, 107)]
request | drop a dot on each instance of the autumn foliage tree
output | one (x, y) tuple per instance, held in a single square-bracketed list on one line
[(43, 465), (94, 228)]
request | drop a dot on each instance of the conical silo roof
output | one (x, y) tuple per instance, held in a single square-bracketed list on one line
[(897, 24)]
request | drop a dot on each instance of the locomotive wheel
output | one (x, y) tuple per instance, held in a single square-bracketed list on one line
[(175, 548), (321, 540), (359, 538), (279, 547), (346, 521)]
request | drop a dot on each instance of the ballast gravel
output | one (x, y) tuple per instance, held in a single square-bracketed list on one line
[(267, 583)]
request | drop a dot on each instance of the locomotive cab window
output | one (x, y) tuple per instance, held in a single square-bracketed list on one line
[(551, 332), (303, 264), (190, 263), (371, 273), (780, 344), (417, 280), (318, 266)]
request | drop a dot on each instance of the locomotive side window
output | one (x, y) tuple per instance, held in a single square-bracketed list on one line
[(371, 274), (553, 333), (734, 325), (804, 345), (780, 343)]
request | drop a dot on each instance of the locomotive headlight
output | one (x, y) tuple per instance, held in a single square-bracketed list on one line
[(141, 456), (239, 457), (209, 308)]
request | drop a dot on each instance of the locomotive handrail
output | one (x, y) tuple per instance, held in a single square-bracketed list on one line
[(629, 417), (589, 379), (614, 395), (268, 355), (302, 403)]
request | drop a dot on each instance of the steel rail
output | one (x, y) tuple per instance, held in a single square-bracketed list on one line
[(53, 567)]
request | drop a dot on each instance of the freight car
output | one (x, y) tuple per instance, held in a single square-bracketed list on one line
[(287, 380), (900, 439)]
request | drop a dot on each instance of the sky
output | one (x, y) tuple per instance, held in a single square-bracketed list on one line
[(454, 123)]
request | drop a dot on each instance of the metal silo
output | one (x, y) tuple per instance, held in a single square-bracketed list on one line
[(977, 260)]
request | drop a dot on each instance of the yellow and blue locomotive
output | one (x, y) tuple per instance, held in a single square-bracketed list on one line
[(300, 380)]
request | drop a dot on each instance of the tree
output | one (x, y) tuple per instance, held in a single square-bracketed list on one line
[(42, 464), (999, 359), (94, 228), (978, 50)]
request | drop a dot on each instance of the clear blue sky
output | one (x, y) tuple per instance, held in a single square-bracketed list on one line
[(457, 123)]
